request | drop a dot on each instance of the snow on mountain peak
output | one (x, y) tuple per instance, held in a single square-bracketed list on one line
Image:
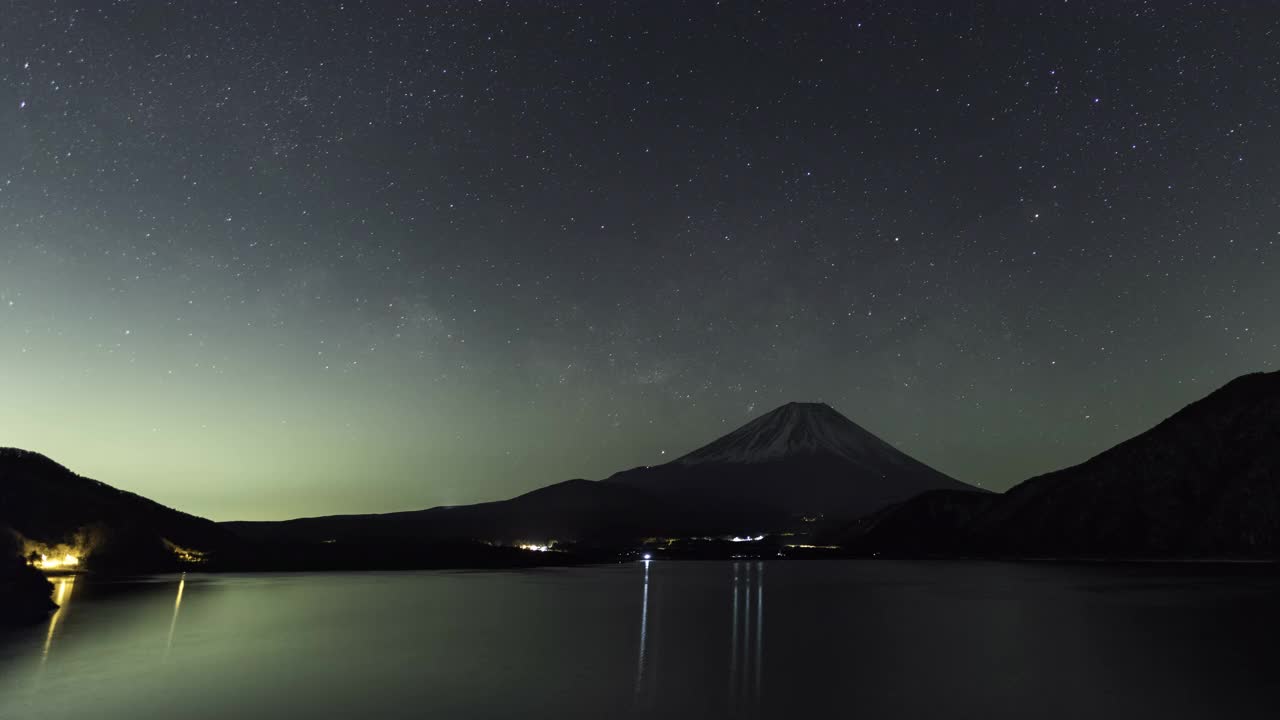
[(794, 429)]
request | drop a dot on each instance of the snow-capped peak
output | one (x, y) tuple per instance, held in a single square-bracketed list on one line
[(794, 429)]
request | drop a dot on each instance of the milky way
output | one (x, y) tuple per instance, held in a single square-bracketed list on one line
[(262, 260)]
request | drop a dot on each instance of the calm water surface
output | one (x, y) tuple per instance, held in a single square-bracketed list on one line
[(864, 639)]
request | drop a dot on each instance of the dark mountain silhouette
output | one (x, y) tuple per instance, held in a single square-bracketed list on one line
[(568, 509), (1203, 483), (47, 504), (936, 522), (44, 505), (25, 594), (800, 458)]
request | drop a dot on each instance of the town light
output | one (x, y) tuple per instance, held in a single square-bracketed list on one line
[(66, 561)]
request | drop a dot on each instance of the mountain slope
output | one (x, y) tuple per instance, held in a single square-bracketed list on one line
[(1203, 483), (796, 429), (50, 506), (936, 522), (567, 510), (801, 458), (1206, 481)]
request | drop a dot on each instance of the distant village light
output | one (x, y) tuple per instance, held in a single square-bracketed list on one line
[(66, 561)]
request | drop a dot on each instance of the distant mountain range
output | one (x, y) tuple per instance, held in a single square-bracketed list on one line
[(799, 460), (1204, 483), (67, 522)]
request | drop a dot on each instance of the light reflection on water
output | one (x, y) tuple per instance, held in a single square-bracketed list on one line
[(644, 634), (870, 639), (744, 663), (746, 653), (64, 588), (64, 594), (173, 624)]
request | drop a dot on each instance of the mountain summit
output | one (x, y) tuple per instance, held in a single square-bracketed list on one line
[(800, 458), (794, 429)]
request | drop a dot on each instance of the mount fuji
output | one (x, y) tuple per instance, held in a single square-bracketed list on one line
[(801, 458), (790, 430)]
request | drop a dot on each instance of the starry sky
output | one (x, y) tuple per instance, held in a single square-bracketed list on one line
[(264, 260)]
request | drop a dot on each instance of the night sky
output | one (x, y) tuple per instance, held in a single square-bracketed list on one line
[(263, 260)]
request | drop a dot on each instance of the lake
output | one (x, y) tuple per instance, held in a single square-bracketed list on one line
[(870, 639)]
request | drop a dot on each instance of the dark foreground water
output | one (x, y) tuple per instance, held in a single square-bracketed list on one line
[(870, 639)]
